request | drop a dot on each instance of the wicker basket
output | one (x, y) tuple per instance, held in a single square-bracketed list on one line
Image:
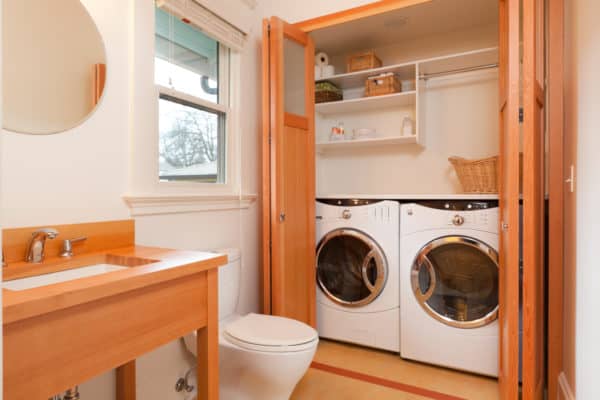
[(362, 61), (326, 91), (383, 84), (477, 176)]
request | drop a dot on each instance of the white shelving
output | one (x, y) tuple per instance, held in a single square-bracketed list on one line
[(355, 79), (353, 83), (468, 59), (357, 143), (367, 103)]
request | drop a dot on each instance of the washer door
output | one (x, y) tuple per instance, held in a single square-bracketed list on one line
[(351, 267), (455, 279)]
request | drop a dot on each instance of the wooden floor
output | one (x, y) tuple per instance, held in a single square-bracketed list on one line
[(348, 372)]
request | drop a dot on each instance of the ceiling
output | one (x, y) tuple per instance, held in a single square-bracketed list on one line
[(431, 18)]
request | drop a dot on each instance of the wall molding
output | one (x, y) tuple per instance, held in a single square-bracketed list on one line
[(143, 205), (566, 393)]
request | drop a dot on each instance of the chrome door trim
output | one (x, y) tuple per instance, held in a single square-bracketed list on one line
[(423, 297), (375, 253), (422, 259)]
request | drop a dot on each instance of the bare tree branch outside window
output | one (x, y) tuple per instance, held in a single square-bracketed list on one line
[(192, 138)]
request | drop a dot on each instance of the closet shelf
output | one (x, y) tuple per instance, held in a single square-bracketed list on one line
[(357, 143), (367, 103), (356, 79)]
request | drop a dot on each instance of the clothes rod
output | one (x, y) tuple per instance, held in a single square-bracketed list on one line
[(458, 71)]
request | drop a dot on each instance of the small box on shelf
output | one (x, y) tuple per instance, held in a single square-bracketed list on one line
[(362, 61), (382, 84)]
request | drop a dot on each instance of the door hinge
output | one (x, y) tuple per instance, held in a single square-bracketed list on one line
[(571, 179), (521, 115)]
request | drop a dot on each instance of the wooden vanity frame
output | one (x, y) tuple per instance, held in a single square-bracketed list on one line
[(60, 335)]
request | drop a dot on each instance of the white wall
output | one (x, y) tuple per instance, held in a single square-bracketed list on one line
[(78, 175), (81, 175), (585, 33)]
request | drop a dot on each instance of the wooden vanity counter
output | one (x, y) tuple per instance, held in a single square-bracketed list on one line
[(60, 335)]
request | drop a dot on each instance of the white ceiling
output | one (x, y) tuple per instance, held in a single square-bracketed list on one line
[(434, 17)]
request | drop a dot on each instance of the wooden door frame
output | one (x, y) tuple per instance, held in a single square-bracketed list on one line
[(556, 191), (508, 83), (352, 14), (266, 172)]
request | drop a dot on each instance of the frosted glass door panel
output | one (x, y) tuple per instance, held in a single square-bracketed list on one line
[(294, 76)]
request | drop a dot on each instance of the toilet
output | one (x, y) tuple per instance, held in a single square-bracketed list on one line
[(261, 357)]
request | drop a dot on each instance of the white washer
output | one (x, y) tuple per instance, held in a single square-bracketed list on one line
[(449, 285), (358, 296)]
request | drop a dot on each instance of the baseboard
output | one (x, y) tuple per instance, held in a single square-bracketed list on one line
[(564, 389)]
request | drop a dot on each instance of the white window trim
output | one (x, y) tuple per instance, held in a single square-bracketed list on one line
[(158, 205), (152, 197)]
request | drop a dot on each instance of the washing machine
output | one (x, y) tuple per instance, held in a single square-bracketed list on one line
[(449, 284), (358, 296)]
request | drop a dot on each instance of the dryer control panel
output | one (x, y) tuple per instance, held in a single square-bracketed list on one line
[(417, 218)]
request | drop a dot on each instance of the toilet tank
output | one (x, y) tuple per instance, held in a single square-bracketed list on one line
[(229, 282)]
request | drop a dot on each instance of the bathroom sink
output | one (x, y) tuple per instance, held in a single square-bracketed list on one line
[(62, 276)]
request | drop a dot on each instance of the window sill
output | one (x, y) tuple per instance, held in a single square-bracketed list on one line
[(163, 204)]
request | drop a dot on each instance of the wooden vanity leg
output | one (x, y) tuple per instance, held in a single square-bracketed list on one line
[(126, 381), (208, 344)]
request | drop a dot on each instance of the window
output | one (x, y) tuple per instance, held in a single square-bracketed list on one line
[(191, 71)]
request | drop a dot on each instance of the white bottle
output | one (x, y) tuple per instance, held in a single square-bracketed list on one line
[(408, 127)]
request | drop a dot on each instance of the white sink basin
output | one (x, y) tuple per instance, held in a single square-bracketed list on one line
[(62, 276)]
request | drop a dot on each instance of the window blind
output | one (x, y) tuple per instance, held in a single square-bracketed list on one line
[(213, 25)]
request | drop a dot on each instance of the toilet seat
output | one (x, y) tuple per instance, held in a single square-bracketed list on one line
[(269, 333)]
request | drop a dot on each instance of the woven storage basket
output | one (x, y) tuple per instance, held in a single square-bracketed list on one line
[(362, 61), (477, 176), (381, 85), (326, 92)]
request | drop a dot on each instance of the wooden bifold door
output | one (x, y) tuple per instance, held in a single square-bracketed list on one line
[(288, 172), (289, 180)]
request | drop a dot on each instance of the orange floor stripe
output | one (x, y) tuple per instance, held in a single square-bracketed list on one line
[(384, 382)]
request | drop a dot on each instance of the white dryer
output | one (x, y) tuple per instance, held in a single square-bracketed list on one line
[(358, 296), (449, 285)]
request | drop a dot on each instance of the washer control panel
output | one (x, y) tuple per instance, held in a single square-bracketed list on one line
[(380, 212)]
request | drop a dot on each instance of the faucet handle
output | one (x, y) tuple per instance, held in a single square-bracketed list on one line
[(67, 250)]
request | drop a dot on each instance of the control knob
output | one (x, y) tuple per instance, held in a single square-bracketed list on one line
[(458, 220)]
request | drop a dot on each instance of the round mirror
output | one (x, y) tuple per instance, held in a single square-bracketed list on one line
[(54, 65)]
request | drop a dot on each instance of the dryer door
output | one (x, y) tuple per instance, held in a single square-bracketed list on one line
[(351, 267), (455, 279)]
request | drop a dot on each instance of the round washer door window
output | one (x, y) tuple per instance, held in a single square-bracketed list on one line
[(351, 267), (455, 280)]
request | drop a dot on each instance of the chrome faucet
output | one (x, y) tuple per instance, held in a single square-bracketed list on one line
[(35, 248)]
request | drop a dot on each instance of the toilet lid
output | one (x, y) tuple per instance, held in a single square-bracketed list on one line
[(270, 333)]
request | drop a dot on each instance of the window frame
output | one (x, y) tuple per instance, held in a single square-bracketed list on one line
[(229, 78)]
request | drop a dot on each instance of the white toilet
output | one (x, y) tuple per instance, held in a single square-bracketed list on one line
[(261, 357)]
